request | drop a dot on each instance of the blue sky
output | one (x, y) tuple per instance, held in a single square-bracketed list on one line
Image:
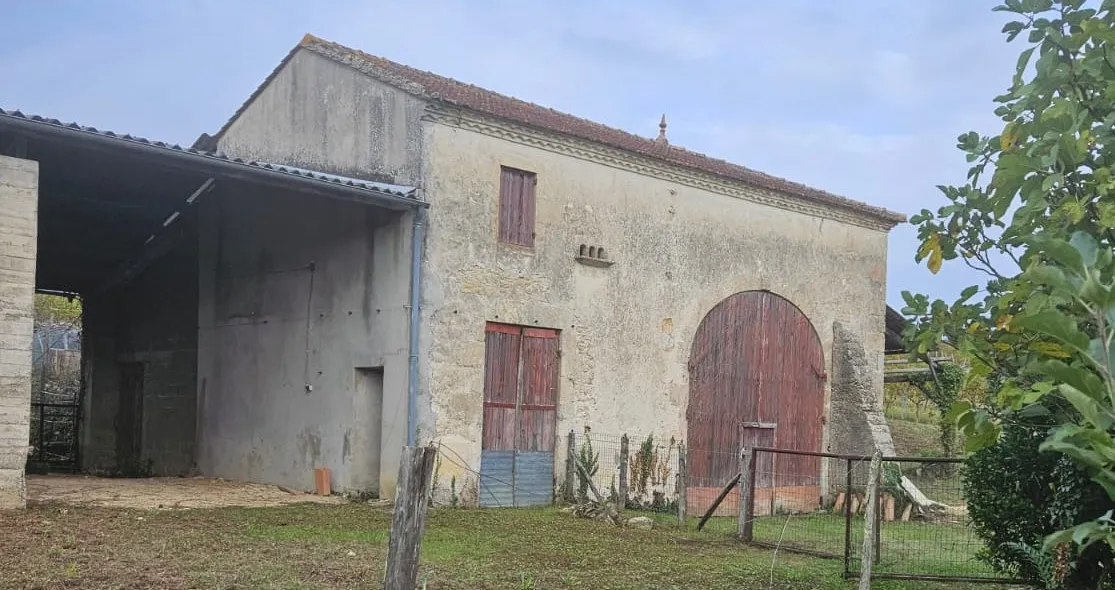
[(864, 99)]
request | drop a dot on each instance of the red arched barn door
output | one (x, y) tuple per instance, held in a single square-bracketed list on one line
[(755, 379)]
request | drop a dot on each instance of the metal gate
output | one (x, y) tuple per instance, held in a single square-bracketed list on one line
[(520, 414), (55, 398)]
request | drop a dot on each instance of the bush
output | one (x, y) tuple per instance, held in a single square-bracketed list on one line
[(1017, 495)]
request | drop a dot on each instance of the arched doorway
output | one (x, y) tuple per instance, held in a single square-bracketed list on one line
[(756, 378)]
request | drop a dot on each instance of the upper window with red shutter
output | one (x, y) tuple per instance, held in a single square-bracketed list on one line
[(516, 206)]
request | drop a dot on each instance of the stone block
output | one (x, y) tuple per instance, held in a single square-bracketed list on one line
[(13, 459), (15, 416), (13, 489)]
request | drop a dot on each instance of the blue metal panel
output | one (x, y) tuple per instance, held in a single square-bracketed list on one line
[(497, 478), (534, 478)]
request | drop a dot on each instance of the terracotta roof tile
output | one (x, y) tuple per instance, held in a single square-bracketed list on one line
[(487, 102)]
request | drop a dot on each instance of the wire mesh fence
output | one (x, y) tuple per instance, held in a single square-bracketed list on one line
[(806, 502), (705, 487), (55, 398), (922, 526), (819, 504), (642, 471)]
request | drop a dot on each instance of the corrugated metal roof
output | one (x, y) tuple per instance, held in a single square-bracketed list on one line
[(398, 189), (375, 187)]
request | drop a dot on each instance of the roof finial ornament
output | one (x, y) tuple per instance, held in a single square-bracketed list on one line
[(662, 130)]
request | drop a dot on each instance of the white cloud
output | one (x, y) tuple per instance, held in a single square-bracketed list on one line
[(864, 99)]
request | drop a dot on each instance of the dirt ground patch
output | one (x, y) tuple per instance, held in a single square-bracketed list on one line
[(161, 492), (54, 547)]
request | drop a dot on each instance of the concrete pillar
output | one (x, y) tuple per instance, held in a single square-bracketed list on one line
[(19, 203)]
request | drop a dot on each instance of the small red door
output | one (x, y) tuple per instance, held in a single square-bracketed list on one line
[(522, 366)]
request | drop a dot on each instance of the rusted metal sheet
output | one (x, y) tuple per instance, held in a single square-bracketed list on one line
[(755, 360), (522, 368)]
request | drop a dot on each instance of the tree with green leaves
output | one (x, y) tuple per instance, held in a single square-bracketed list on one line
[(1037, 216)]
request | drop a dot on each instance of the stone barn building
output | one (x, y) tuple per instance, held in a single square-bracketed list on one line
[(559, 274)]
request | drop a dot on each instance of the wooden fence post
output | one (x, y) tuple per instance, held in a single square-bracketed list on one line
[(746, 492), (870, 514), (570, 468), (624, 450), (683, 483), (409, 518)]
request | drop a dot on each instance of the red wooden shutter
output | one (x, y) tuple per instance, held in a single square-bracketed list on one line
[(538, 415), (516, 206), (502, 348)]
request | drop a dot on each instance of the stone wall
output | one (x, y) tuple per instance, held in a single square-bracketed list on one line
[(19, 199), (678, 245), (857, 425)]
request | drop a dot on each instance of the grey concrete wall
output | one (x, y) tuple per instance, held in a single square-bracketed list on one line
[(322, 115), (151, 320), (19, 205), (298, 296), (679, 245)]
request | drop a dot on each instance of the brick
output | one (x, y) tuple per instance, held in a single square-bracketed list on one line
[(14, 357), (20, 210), (12, 325), (16, 417), (18, 244), (13, 489), (22, 369), (20, 341), (17, 264), (13, 460)]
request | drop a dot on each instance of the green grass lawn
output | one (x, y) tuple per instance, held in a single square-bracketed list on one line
[(344, 546)]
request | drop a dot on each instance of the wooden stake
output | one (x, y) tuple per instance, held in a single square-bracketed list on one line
[(838, 507), (907, 511), (869, 530), (746, 493), (408, 521), (717, 501), (624, 450), (683, 476), (888, 508), (570, 470)]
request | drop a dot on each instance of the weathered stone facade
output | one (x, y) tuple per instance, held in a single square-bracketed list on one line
[(680, 240), (18, 229), (680, 243)]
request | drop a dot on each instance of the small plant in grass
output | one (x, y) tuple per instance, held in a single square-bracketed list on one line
[(1050, 567), (526, 581), (649, 473)]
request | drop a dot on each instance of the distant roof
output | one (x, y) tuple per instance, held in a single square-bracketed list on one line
[(894, 344), (439, 88), (400, 195)]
